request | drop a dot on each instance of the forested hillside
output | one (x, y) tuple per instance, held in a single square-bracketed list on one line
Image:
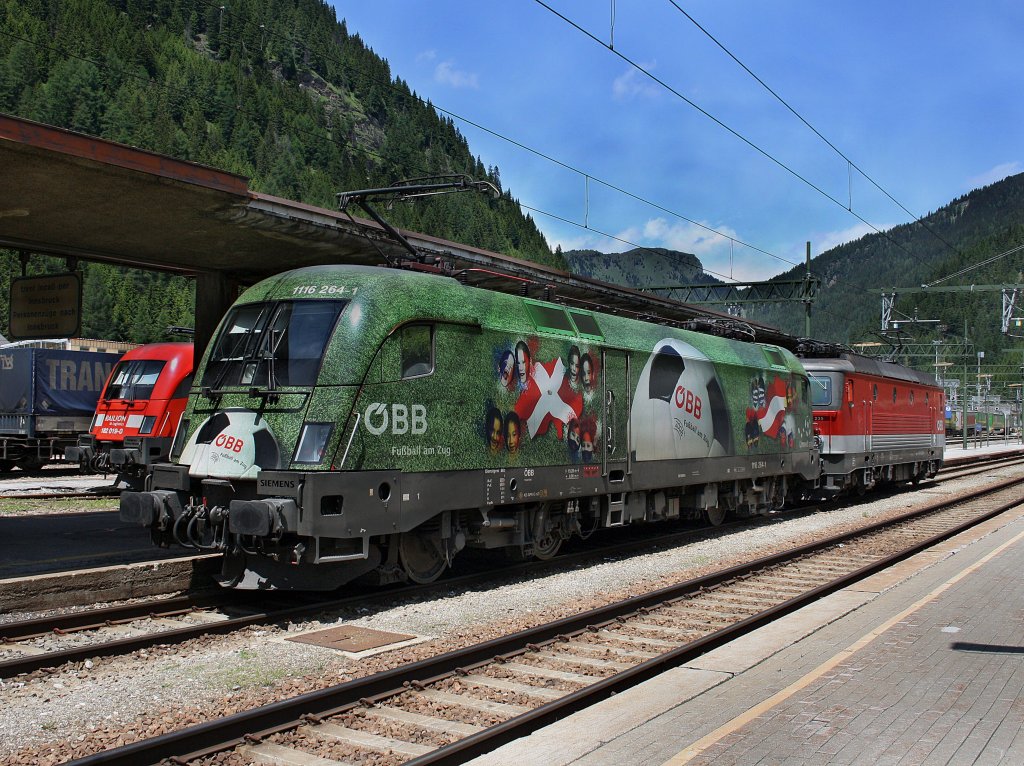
[(282, 92), (276, 90), (968, 231)]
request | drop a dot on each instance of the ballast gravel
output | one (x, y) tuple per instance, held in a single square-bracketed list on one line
[(83, 708)]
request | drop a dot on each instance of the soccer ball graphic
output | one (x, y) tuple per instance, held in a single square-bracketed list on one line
[(233, 444), (678, 407)]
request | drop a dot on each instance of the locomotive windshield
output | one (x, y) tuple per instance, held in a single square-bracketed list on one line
[(821, 391), (134, 379), (272, 344)]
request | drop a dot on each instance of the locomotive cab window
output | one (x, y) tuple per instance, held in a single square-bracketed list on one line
[(134, 379), (821, 391), (272, 344), (416, 342)]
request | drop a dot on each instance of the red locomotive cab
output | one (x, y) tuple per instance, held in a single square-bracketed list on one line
[(879, 423), (138, 411)]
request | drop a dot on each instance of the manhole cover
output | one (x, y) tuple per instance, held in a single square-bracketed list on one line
[(349, 638)]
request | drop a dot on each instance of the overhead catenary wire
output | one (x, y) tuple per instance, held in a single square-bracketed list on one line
[(366, 152), (851, 165), (586, 175), (972, 267), (763, 152)]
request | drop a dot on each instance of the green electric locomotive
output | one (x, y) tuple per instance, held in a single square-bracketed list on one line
[(359, 422)]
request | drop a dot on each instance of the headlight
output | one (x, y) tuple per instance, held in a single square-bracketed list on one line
[(99, 420), (312, 442), (147, 424)]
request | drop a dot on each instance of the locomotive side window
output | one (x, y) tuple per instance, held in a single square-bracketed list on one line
[(911, 397), (894, 394), (874, 392), (775, 358), (417, 350), (821, 391), (586, 324), (184, 386), (551, 318)]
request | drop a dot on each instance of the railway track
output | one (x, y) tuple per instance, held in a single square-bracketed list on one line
[(975, 466), (449, 708), (47, 643)]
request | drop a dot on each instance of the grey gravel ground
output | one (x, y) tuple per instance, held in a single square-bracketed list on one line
[(150, 691)]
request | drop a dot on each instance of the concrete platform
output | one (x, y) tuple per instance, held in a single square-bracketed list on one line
[(921, 664), (1007, 446)]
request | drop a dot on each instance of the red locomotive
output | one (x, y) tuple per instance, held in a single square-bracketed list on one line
[(137, 413), (876, 422)]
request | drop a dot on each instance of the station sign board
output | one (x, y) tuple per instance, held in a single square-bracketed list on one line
[(46, 306)]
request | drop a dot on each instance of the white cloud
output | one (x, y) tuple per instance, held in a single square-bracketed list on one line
[(998, 173), (446, 74), (634, 84), (830, 239), (684, 236), (425, 57)]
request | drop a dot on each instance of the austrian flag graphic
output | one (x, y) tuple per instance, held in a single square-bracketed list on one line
[(548, 398), (771, 415)]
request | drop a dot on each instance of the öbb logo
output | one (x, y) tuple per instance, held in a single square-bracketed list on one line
[(686, 400), (229, 443), (401, 419)]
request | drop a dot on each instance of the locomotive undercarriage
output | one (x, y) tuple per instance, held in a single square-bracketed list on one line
[(317, 531), (857, 473), (130, 459)]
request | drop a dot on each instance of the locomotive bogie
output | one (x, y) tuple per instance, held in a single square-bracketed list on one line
[(380, 429)]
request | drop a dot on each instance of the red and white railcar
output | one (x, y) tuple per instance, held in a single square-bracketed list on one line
[(877, 422), (138, 412)]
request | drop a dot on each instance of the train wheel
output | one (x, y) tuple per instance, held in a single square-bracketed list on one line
[(6, 466), (546, 539), (859, 488), (715, 516), (547, 547), (32, 463), (422, 555)]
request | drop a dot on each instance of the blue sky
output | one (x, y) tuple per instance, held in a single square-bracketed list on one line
[(924, 96)]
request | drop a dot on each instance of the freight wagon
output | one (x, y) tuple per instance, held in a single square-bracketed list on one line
[(47, 398)]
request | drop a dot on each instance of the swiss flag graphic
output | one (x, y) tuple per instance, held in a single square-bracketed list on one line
[(772, 413), (548, 398)]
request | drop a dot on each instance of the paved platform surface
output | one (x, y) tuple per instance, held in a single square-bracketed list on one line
[(921, 664), (954, 449)]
